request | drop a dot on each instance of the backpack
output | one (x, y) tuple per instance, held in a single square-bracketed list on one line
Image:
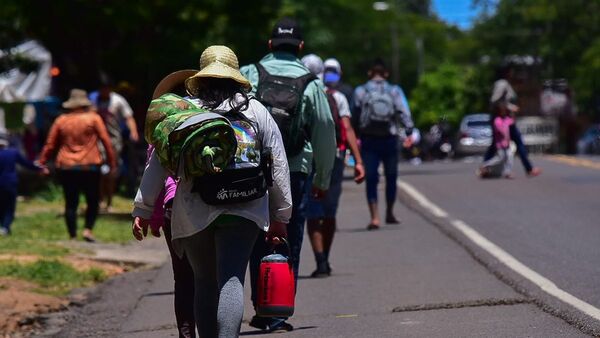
[(341, 138), (178, 129), (283, 96), (221, 151), (378, 114), (248, 174)]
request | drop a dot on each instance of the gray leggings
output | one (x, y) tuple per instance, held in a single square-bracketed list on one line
[(219, 255)]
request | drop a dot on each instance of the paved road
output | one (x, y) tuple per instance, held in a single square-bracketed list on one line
[(418, 279), (549, 223)]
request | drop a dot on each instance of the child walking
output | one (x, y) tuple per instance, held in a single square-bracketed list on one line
[(501, 163), (9, 158)]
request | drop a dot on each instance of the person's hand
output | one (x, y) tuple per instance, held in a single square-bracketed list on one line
[(276, 233), (134, 137), (140, 228), (317, 193), (155, 232), (114, 171), (44, 171), (359, 173), (408, 142)]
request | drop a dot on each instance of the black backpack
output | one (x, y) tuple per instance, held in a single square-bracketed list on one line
[(249, 173), (282, 96)]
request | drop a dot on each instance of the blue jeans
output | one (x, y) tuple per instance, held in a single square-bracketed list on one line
[(515, 135), (295, 232), (375, 150), (8, 203)]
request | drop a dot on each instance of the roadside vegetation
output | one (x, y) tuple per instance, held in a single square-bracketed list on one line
[(38, 259)]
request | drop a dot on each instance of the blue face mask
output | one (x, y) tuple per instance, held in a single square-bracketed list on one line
[(331, 77)]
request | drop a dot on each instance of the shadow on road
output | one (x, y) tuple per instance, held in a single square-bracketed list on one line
[(387, 227), (261, 332)]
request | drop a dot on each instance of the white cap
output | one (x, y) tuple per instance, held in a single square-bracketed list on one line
[(314, 63), (333, 64)]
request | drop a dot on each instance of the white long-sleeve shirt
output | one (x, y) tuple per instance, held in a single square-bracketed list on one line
[(190, 214)]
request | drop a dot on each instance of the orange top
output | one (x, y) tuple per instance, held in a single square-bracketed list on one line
[(75, 137)]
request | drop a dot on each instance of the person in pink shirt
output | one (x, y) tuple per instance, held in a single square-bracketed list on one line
[(182, 271), (501, 163)]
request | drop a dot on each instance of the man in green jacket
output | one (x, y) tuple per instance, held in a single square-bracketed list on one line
[(316, 136)]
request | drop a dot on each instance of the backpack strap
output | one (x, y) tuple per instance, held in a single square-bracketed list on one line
[(262, 72)]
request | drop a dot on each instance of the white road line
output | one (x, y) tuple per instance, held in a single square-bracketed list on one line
[(542, 282), (422, 200)]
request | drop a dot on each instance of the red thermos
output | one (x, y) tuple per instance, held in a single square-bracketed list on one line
[(276, 287)]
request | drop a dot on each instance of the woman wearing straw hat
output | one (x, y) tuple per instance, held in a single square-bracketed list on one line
[(73, 138), (218, 239)]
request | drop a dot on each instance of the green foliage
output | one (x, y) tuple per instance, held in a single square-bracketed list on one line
[(440, 94), (561, 32), (587, 81), (51, 275), (141, 41), (52, 192)]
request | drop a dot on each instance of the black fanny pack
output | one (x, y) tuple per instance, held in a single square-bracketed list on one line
[(236, 185)]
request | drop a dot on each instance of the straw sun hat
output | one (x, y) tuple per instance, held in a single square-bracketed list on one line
[(217, 62), (77, 99)]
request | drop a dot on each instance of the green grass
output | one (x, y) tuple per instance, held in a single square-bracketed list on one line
[(39, 226), (52, 277)]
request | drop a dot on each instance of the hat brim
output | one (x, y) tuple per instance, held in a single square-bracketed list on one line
[(72, 104), (215, 70), (171, 81), (275, 42)]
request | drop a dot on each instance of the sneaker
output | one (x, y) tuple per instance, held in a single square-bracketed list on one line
[(4, 232), (263, 323), (260, 323), (281, 327), (320, 273)]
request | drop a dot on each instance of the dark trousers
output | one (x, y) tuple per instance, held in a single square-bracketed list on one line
[(184, 288), (74, 182), (515, 135), (8, 204), (375, 150), (295, 231)]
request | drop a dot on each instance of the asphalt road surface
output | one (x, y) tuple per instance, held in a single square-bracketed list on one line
[(466, 261)]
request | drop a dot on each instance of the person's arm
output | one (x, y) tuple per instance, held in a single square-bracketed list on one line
[(401, 106), (27, 163), (127, 114), (359, 168), (105, 139), (345, 116), (322, 137), (133, 132), (280, 196), (152, 184), (51, 142)]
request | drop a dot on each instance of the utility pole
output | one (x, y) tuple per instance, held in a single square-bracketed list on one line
[(383, 6)]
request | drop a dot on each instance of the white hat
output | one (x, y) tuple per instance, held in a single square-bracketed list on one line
[(314, 63), (334, 64)]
